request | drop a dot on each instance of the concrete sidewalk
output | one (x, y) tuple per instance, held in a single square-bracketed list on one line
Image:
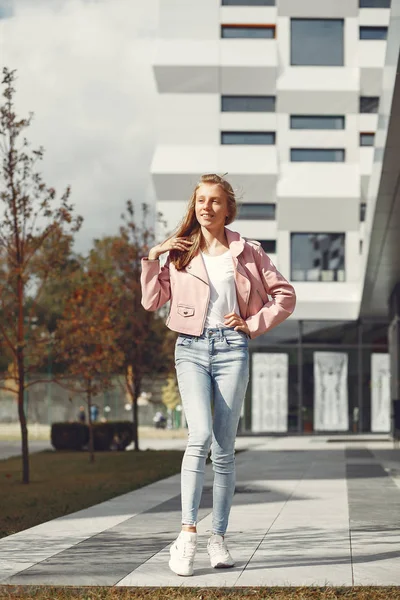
[(305, 512)]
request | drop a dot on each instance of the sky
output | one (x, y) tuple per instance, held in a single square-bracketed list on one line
[(84, 69)]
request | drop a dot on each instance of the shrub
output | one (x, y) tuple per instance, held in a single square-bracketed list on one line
[(123, 434), (69, 436), (102, 436), (114, 435)]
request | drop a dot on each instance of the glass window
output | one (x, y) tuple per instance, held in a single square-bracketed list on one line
[(248, 2), (256, 211), (367, 139), (317, 257), (316, 122), (247, 31), (317, 42), (248, 137), (369, 104), (269, 246), (5, 11), (317, 155), (373, 33), (248, 103), (363, 211), (375, 3)]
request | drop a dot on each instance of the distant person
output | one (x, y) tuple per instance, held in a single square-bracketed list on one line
[(218, 284), (94, 413), (82, 415), (159, 420)]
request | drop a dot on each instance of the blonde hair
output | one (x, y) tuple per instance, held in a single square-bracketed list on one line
[(190, 227)]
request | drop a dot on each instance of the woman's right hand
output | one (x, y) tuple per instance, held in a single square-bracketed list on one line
[(174, 243)]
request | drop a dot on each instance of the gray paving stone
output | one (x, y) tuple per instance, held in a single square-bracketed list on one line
[(109, 555), (308, 543), (374, 508), (305, 512), (22, 550)]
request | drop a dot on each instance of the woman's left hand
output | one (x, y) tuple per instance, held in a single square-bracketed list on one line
[(236, 321)]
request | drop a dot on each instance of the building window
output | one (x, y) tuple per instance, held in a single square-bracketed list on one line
[(367, 139), (257, 212), (248, 103), (248, 137), (248, 2), (369, 104), (317, 42), (269, 246), (317, 257), (373, 33), (317, 155), (363, 211), (375, 3), (6, 11), (248, 31), (316, 122)]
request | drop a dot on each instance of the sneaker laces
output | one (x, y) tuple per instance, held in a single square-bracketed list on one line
[(217, 546), (188, 548)]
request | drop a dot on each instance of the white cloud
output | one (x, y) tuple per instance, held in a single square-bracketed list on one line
[(84, 69)]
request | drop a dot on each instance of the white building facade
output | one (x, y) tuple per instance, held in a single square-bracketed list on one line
[(283, 95)]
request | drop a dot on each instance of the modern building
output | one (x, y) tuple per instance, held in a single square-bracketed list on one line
[(284, 96)]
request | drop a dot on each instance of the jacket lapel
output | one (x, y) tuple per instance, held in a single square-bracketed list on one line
[(197, 268), (243, 285)]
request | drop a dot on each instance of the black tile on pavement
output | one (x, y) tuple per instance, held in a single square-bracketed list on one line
[(358, 453)]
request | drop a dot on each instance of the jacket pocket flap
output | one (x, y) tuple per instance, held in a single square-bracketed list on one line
[(185, 311)]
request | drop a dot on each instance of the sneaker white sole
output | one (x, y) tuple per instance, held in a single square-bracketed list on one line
[(179, 570), (221, 564)]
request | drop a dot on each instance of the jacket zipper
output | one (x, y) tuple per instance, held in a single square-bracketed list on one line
[(208, 298)]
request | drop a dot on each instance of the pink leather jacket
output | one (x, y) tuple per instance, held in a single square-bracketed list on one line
[(256, 278)]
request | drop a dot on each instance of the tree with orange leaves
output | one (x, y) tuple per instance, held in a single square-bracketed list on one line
[(86, 339), (32, 219), (146, 346)]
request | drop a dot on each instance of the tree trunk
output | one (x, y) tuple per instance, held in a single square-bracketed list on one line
[(22, 418), (21, 380), (91, 445), (135, 390)]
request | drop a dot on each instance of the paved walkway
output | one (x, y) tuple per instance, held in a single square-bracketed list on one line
[(305, 512)]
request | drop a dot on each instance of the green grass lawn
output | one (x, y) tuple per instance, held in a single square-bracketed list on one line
[(256, 593), (64, 482)]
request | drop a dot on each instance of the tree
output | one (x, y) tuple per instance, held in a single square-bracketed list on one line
[(87, 341), (170, 393), (141, 334), (31, 217)]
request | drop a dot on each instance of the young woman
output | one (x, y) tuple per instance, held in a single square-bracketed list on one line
[(218, 284)]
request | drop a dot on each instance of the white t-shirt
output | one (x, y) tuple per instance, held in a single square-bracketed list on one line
[(223, 298)]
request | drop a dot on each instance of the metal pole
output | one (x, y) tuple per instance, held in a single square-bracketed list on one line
[(300, 376), (360, 375)]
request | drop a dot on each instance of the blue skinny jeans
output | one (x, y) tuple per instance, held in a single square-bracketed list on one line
[(211, 369)]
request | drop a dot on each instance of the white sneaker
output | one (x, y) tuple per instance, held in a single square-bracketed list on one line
[(219, 553), (182, 553)]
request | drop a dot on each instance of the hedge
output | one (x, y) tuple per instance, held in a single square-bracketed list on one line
[(113, 435)]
